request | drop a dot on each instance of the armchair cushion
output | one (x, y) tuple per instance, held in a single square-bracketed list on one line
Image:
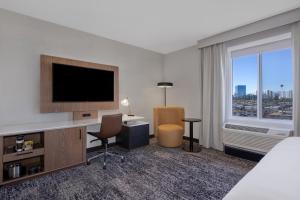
[(170, 135), (170, 128)]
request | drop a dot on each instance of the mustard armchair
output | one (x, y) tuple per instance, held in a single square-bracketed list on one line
[(168, 125)]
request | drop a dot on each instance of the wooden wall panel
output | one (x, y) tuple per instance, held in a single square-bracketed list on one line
[(46, 104)]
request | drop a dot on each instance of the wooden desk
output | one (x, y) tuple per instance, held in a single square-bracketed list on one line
[(58, 145), (44, 126)]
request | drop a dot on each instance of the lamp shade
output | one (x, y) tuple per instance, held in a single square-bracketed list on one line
[(164, 84), (125, 102)]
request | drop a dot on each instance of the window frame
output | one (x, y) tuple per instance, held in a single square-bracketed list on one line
[(282, 41)]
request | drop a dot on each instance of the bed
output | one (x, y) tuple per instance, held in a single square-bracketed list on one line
[(275, 177)]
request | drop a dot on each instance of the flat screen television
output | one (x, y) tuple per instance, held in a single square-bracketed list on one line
[(80, 84)]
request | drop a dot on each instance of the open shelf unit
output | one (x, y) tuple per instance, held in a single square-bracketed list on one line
[(49, 150), (31, 161)]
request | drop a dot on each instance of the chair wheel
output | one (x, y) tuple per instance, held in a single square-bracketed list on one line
[(122, 159), (104, 167)]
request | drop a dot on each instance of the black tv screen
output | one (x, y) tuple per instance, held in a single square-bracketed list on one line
[(79, 84)]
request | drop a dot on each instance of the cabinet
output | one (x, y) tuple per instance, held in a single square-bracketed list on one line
[(52, 150), (64, 148), (134, 135)]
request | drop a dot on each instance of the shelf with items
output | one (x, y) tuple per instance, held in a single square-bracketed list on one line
[(30, 154), (20, 169), (23, 144), (23, 155)]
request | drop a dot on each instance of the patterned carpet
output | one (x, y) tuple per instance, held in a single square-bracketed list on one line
[(150, 172)]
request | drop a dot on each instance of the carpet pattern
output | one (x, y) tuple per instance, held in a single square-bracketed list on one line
[(150, 172)]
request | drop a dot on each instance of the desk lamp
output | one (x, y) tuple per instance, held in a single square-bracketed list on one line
[(125, 102)]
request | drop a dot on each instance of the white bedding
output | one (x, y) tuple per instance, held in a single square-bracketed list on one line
[(275, 177)]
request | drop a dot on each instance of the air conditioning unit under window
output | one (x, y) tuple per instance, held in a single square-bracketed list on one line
[(255, 139)]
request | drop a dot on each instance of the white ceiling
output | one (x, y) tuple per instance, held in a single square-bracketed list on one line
[(159, 25)]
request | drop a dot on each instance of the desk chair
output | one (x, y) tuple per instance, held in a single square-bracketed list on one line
[(111, 126)]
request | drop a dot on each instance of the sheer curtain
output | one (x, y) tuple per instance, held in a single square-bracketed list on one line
[(212, 64), (296, 77)]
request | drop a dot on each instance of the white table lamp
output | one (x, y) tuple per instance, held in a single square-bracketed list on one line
[(125, 102)]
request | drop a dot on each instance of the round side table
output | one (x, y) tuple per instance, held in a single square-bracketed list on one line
[(191, 146)]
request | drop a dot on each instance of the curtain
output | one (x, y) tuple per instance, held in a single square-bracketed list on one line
[(296, 77), (212, 69)]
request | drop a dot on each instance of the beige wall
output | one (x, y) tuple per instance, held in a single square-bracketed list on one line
[(183, 69), (23, 39)]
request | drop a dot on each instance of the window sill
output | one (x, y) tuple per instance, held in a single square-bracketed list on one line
[(263, 123)]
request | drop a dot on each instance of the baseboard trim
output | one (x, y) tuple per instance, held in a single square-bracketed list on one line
[(188, 138), (248, 155), (100, 147), (184, 137)]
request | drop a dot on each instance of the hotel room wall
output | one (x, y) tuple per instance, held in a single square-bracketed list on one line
[(182, 68), (23, 39)]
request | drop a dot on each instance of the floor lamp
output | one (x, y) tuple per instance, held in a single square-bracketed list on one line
[(165, 85)]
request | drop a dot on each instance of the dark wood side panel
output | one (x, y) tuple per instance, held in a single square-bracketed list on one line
[(46, 87), (1, 158)]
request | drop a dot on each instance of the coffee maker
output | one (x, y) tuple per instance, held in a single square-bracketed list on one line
[(19, 143)]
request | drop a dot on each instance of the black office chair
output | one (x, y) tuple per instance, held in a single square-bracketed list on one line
[(111, 126)]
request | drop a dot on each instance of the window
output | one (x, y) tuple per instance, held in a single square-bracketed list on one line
[(244, 78), (261, 82), (277, 98)]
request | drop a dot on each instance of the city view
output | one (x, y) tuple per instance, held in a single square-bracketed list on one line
[(275, 104), (276, 79)]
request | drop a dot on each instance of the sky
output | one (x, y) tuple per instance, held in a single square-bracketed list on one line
[(276, 70)]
